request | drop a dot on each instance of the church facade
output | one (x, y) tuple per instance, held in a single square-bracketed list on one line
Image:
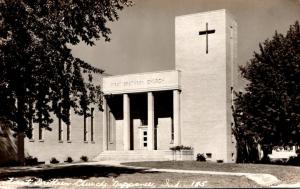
[(145, 114)]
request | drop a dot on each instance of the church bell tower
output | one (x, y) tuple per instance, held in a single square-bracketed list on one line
[(206, 55)]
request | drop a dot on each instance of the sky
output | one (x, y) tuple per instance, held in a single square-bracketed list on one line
[(143, 39)]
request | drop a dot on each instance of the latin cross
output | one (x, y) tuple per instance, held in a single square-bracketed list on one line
[(206, 32)]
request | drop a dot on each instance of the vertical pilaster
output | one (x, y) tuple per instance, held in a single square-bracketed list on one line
[(150, 138), (126, 122), (176, 117), (104, 132)]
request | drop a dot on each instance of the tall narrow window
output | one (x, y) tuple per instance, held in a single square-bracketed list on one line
[(41, 137), (68, 132), (59, 130), (92, 124), (84, 128), (31, 123), (32, 131)]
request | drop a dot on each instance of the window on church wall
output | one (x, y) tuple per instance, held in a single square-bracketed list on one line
[(84, 128), (60, 138), (41, 133), (31, 127), (92, 124), (61, 129), (68, 133), (31, 124)]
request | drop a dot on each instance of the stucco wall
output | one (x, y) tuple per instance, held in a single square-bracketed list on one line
[(164, 134), (50, 146)]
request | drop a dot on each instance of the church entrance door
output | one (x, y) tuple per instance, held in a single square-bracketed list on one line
[(143, 138)]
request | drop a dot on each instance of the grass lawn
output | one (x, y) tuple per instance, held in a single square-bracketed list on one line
[(177, 180), (150, 180), (99, 176), (287, 174)]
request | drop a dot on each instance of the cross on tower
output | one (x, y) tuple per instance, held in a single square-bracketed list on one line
[(206, 32)]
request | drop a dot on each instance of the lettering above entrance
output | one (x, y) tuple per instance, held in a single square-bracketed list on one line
[(142, 82)]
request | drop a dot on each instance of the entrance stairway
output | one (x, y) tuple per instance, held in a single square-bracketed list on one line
[(135, 155)]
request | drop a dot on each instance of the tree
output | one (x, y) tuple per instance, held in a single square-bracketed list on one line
[(268, 112), (38, 74)]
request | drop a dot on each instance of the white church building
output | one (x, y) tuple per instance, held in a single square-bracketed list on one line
[(145, 114)]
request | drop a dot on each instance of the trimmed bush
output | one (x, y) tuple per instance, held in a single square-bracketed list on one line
[(54, 161), (69, 160), (298, 152), (181, 147), (84, 158), (279, 162), (201, 157), (11, 163), (294, 160), (29, 160), (265, 160)]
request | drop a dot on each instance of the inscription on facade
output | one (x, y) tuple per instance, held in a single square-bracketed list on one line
[(141, 82), (137, 82)]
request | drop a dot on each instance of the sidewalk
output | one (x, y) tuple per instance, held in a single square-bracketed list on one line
[(266, 180), (261, 179)]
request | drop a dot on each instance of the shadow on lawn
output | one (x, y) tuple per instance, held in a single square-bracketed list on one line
[(73, 171)]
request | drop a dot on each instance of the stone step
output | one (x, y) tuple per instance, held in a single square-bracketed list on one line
[(141, 155), (130, 158), (139, 152)]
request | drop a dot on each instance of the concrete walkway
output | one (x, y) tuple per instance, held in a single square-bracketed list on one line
[(261, 179)]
